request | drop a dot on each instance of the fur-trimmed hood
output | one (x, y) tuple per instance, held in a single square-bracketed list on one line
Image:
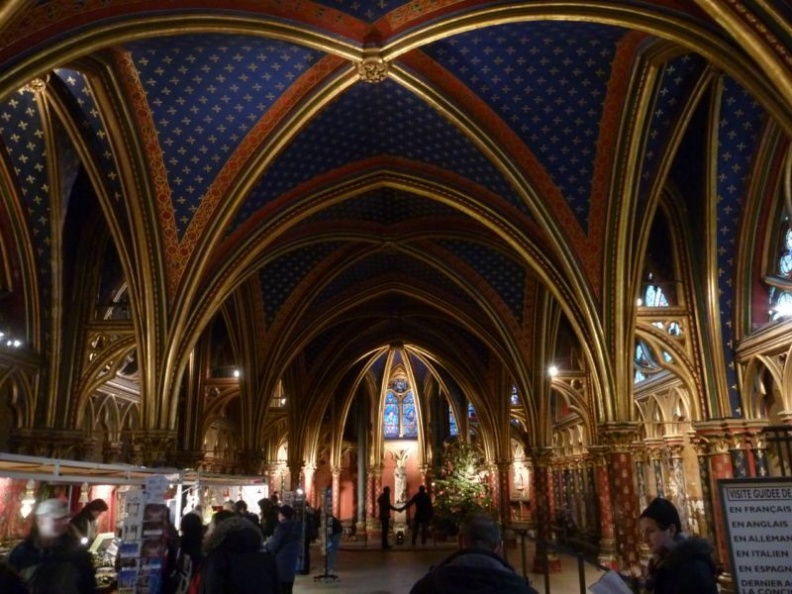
[(687, 548), (234, 534), (685, 568)]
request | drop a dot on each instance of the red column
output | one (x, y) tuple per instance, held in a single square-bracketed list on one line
[(542, 477), (618, 439), (336, 492)]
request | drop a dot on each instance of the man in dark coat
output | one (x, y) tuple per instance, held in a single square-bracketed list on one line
[(235, 562), (385, 507), (423, 513), (286, 545), (477, 568), (51, 556)]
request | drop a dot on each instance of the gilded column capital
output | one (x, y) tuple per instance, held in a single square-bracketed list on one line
[(153, 447), (619, 437), (542, 457), (598, 455), (251, 461)]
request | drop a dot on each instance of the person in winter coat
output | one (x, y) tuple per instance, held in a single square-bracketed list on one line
[(679, 564), (10, 582), (234, 560), (385, 507), (286, 544), (477, 568), (51, 558), (85, 522), (423, 514)]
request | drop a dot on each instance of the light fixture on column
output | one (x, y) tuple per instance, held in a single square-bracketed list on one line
[(28, 499)]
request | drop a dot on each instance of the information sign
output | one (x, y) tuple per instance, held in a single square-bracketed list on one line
[(758, 519)]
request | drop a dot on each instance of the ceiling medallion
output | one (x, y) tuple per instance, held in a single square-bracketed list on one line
[(373, 70), (36, 85)]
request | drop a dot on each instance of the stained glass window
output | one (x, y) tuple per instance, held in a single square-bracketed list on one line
[(471, 411), (391, 420), (654, 297), (780, 295), (410, 425), (514, 398), (400, 417), (452, 424)]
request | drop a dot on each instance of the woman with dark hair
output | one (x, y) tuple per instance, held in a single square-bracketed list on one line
[(87, 518), (680, 564)]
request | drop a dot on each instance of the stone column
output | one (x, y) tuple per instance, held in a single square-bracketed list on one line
[(607, 549), (654, 449), (542, 461), (759, 453), (250, 462), (336, 472), (295, 474), (677, 491), (373, 489), (640, 457), (308, 476), (504, 491), (713, 442), (619, 439), (274, 478)]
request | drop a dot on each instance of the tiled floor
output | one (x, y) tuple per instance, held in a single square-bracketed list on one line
[(373, 571)]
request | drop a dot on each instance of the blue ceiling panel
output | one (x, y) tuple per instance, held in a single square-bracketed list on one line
[(671, 95), (367, 121), (206, 92), (384, 263), (504, 275), (90, 119), (548, 81), (23, 137), (386, 206), (740, 124), (279, 277)]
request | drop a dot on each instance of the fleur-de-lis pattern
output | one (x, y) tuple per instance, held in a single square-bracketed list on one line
[(205, 94), (739, 128), (549, 84), (369, 121)]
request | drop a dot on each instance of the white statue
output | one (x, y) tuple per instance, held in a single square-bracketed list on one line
[(400, 475)]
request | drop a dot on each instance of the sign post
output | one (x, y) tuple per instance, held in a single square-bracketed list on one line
[(758, 519)]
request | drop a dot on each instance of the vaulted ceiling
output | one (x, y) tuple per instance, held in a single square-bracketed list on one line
[(333, 176)]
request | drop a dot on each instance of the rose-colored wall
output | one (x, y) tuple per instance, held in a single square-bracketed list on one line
[(14, 527)]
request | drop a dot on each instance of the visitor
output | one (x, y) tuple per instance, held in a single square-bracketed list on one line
[(234, 560), (241, 509), (423, 514), (679, 564), (51, 558), (385, 507), (333, 542), (85, 522), (285, 546), (478, 567)]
